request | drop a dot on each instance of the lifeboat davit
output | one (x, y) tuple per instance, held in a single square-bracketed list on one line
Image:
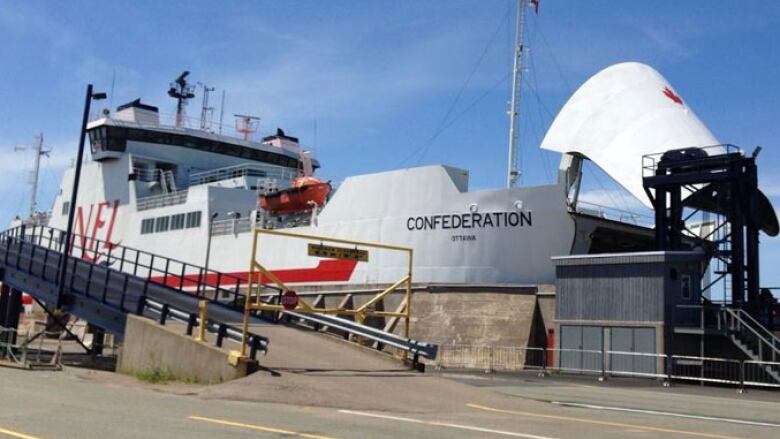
[(305, 192)]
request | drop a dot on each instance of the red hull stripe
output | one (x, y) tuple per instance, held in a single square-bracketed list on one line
[(327, 270)]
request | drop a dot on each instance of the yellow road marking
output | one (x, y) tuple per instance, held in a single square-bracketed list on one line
[(16, 434), (257, 427), (606, 423)]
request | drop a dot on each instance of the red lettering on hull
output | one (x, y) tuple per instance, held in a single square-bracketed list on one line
[(88, 233)]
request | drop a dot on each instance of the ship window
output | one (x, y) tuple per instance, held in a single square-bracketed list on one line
[(686, 286), (66, 208), (161, 225), (117, 139), (147, 226), (193, 219), (177, 221), (97, 139)]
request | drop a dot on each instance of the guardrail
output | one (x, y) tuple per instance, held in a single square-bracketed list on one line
[(416, 348), (163, 312), (607, 363)]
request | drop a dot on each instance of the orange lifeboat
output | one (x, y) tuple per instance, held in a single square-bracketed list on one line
[(305, 192)]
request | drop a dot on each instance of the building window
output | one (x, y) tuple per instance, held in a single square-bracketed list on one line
[(193, 219), (66, 208), (147, 226), (686, 286), (161, 224), (177, 221)]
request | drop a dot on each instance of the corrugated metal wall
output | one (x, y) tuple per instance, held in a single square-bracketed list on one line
[(624, 292)]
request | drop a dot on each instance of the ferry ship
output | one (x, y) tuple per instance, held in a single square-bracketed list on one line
[(196, 195)]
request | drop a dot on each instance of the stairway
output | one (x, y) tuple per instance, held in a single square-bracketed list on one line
[(753, 339)]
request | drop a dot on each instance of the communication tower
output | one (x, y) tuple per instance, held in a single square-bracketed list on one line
[(182, 92)]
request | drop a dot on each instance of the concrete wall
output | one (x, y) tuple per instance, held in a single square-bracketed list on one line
[(463, 315), (149, 346)]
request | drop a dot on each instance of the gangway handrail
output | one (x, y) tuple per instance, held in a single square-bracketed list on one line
[(192, 278), (96, 291), (415, 347)]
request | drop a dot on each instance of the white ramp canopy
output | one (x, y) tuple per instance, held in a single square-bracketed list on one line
[(622, 113)]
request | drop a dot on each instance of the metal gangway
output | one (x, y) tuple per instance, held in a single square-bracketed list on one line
[(105, 282)]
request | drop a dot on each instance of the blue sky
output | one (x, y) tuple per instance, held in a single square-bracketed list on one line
[(386, 83)]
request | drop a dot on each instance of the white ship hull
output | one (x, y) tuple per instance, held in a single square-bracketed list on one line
[(490, 236)]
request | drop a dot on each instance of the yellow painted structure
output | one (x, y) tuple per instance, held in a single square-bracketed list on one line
[(257, 272)]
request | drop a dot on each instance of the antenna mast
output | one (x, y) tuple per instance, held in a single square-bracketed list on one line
[(246, 124), (182, 92), (206, 111), (221, 111), (39, 151), (512, 172)]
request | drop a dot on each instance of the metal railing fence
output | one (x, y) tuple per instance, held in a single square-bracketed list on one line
[(122, 277), (607, 363), (238, 171), (25, 356), (85, 251)]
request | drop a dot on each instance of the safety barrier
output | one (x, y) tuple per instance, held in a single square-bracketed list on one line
[(163, 312), (416, 348), (21, 354), (607, 363)]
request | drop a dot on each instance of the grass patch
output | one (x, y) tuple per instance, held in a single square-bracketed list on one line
[(162, 376)]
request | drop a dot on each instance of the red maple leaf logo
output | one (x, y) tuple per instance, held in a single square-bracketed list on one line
[(671, 95)]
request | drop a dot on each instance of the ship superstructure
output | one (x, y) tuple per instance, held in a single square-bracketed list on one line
[(194, 195)]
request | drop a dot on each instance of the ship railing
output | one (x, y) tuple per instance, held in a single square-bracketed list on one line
[(231, 226), (156, 201), (210, 127), (224, 288), (650, 162), (613, 213), (146, 174), (240, 171), (168, 120), (604, 364)]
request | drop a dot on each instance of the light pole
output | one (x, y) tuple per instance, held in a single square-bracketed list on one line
[(75, 190), (208, 246)]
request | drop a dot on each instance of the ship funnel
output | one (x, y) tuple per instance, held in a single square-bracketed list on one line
[(622, 113), (281, 140)]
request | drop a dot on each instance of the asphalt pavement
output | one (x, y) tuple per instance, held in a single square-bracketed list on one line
[(77, 403)]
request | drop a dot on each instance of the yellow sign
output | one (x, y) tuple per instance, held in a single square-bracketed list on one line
[(329, 251)]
